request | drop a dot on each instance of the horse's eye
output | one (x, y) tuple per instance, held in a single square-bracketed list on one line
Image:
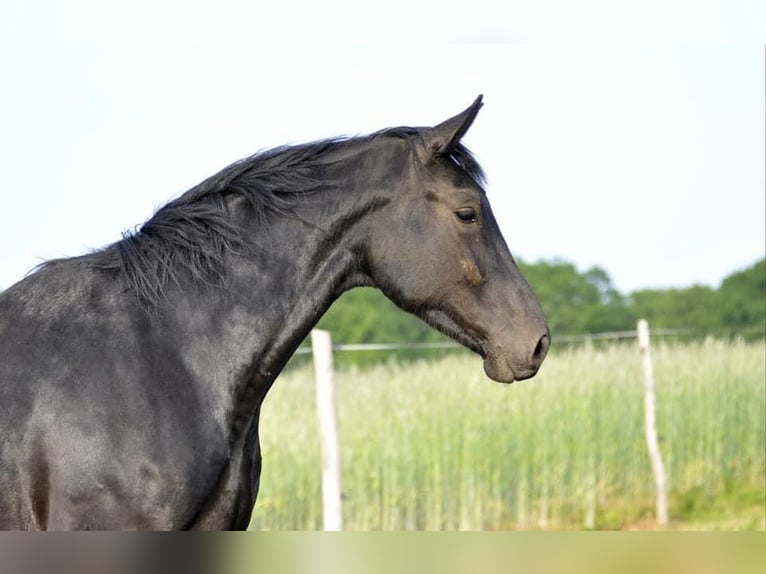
[(466, 214)]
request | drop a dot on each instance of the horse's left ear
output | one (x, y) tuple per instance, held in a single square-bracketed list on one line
[(439, 140)]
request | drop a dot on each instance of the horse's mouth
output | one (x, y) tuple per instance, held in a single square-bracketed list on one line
[(498, 369), (446, 325)]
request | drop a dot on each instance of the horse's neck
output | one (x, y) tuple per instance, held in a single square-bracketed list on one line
[(312, 276), (238, 338)]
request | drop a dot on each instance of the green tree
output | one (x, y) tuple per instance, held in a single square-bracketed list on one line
[(738, 304), (692, 308), (576, 302), (742, 298)]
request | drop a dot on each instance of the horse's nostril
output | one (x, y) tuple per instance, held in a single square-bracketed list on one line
[(541, 349)]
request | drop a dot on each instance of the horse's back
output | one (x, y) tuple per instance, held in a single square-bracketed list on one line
[(50, 324)]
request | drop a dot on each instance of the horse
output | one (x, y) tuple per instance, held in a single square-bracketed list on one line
[(132, 377)]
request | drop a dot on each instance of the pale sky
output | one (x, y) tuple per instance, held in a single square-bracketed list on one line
[(643, 157)]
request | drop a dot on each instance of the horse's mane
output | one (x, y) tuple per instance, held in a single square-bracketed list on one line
[(189, 237)]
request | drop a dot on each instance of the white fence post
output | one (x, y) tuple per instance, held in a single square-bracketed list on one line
[(650, 419), (332, 511)]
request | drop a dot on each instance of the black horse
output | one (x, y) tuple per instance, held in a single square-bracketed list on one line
[(131, 378)]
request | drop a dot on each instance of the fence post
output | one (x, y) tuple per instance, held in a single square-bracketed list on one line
[(650, 419), (332, 511)]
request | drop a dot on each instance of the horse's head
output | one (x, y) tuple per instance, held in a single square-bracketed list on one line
[(440, 255)]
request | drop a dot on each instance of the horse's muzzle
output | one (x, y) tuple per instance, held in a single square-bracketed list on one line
[(506, 367)]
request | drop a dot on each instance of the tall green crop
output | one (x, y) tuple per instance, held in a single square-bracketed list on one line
[(436, 445)]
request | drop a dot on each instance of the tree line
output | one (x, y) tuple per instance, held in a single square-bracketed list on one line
[(586, 302), (578, 302)]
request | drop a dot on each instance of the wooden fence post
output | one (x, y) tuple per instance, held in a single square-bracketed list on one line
[(650, 419), (332, 511)]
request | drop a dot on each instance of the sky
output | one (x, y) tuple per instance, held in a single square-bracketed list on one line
[(640, 150)]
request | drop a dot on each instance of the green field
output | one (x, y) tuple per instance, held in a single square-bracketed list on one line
[(435, 445)]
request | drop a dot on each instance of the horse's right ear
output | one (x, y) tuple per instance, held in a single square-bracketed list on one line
[(439, 140)]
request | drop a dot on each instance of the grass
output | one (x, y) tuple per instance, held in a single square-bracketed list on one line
[(435, 445)]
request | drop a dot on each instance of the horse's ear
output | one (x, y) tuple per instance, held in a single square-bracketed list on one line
[(439, 140)]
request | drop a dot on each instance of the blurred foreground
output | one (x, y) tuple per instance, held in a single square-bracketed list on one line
[(373, 553)]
